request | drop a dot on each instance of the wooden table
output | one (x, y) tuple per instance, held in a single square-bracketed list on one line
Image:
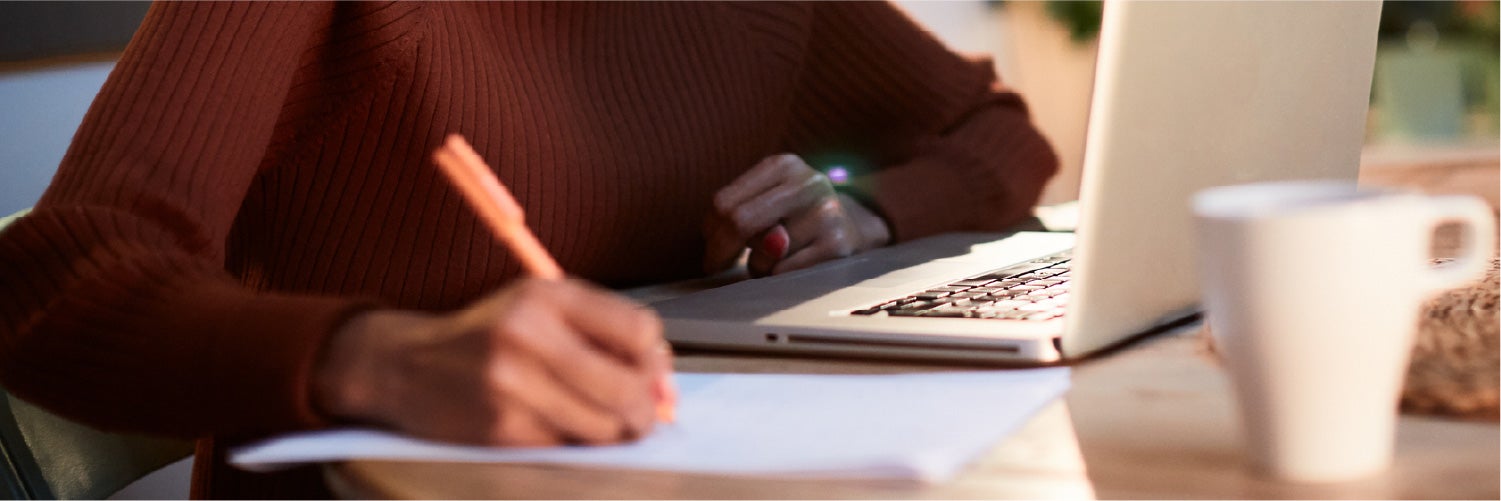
[(1153, 420)]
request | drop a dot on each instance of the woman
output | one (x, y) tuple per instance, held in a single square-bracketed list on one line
[(247, 236)]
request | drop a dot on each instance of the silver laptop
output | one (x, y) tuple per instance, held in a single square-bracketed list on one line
[(1187, 95)]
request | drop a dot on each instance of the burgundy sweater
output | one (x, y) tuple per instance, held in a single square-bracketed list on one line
[(252, 174)]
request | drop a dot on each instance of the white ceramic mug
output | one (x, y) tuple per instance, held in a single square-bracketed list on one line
[(1313, 290)]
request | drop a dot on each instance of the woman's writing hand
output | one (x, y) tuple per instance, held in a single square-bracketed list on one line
[(536, 363), (790, 217)]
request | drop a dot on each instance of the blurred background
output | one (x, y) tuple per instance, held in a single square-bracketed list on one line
[(1434, 96)]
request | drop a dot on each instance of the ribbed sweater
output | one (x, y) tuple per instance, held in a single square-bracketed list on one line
[(252, 174)]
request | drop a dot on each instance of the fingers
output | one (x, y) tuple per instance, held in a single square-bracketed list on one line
[(769, 248), (769, 172), (778, 187), (820, 234), (540, 362), (631, 332), (759, 213), (821, 250), (522, 427), (515, 425), (604, 349), (620, 384), (554, 361), (544, 410)]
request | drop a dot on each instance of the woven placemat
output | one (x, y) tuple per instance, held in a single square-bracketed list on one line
[(1456, 358), (1455, 368)]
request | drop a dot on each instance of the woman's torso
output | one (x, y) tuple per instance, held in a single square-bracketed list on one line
[(613, 124)]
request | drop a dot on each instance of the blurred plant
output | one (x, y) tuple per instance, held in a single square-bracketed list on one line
[(1483, 17), (1430, 22), (1080, 17), (1427, 49)]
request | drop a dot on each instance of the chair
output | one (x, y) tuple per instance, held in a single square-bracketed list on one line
[(5, 221), (45, 456)]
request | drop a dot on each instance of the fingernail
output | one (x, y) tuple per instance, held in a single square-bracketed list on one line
[(776, 241), (664, 390), (667, 399)]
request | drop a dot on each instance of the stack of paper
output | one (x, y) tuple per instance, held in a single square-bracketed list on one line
[(924, 426)]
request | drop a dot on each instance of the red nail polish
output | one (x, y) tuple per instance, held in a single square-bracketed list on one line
[(776, 241)]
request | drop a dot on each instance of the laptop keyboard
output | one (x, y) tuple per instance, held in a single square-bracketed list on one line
[(1035, 290)]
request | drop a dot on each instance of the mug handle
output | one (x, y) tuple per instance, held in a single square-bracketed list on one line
[(1479, 235)]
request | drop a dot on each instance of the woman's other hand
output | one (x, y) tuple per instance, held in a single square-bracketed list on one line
[(790, 217), (537, 363)]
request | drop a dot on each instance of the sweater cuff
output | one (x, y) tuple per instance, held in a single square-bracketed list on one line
[(919, 199), (975, 179), (259, 350)]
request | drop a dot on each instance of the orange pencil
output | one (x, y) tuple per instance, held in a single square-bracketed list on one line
[(498, 209)]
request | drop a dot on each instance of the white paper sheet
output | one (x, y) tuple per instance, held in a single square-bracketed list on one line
[(923, 426)]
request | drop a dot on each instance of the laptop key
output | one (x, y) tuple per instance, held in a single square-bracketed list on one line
[(1009, 304), (1037, 289), (1009, 294), (945, 300), (1056, 258), (1009, 272), (1050, 302), (1042, 315)]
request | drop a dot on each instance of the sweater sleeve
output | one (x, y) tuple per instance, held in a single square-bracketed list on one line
[(932, 141), (118, 310)]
